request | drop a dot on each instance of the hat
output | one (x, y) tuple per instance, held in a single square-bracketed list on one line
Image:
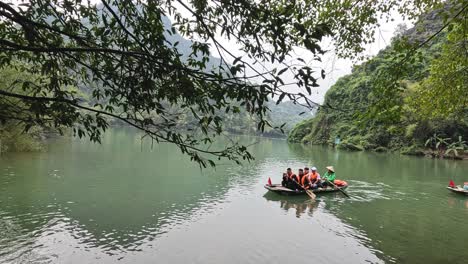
[(314, 169), (330, 168)]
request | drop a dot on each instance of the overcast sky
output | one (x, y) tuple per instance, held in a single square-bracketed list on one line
[(334, 67)]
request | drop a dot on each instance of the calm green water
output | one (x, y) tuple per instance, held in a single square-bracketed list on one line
[(120, 202)]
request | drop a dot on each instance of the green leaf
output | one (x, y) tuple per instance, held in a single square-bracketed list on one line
[(281, 97), (282, 71)]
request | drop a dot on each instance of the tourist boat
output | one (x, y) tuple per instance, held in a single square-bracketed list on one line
[(458, 189), (278, 188)]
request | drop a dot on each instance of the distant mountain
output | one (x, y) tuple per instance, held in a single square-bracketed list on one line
[(242, 123), (285, 112), (184, 46), (289, 113)]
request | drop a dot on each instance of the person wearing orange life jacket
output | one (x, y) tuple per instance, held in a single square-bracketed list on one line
[(296, 180), (314, 178), (306, 171), (290, 179), (290, 174), (305, 180)]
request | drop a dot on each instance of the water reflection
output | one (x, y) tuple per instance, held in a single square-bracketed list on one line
[(457, 201), (300, 205), (323, 222), (112, 197), (399, 201), (102, 203)]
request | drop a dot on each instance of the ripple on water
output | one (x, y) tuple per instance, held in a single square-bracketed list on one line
[(361, 191)]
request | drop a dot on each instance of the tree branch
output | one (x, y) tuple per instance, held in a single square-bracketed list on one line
[(75, 104)]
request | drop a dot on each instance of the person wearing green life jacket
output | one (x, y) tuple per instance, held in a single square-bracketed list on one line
[(328, 177)]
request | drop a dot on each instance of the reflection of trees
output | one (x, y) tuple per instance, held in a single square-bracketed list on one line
[(299, 204), (116, 196), (407, 230), (409, 214)]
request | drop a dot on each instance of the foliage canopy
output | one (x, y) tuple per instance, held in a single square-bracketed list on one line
[(122, 54), (412, 95)]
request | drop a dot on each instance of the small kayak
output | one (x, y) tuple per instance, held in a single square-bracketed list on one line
[(278, 188), (458, 190)]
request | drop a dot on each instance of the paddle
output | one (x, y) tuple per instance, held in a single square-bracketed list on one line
[(309, 192), (341, 190)]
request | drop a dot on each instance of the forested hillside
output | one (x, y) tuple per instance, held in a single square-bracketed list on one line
[(284, 115), (425, 113)]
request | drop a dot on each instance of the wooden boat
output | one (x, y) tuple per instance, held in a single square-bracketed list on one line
[(278, 188), (458, 190)]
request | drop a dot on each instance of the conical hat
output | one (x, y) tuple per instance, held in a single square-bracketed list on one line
[(330, 168)]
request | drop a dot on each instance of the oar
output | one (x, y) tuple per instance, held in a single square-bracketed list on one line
[(309, 192), (337, 187)]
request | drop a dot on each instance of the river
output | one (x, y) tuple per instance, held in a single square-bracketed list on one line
[(124, 202)]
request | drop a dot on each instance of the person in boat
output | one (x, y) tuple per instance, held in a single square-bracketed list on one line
[(314, 178), (293, 179), (300, 173), (305, 180), (290, 179), (329, 176), (289, 174), (298, 179), (285, 180)]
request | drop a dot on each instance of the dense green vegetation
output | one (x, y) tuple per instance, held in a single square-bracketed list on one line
[(128, 62), (416, 104), (282, 117), (13, 136)]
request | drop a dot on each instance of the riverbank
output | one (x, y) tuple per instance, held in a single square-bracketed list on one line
[(435, 154), (14, 139), (36, 139), (408, 151)]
